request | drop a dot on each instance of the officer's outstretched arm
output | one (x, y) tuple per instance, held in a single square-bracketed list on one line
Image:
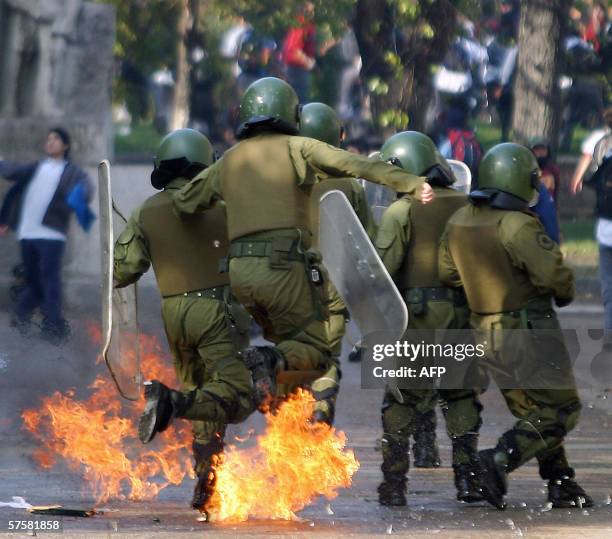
[(532, 250), (446, 265), (393, 235), (200, 194), (131, 257), (340, 163)]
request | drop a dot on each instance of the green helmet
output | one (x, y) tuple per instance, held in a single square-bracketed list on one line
[(187, 143), (269, 102), (509, 168), (416, 153), (321, 122), (181, 153)]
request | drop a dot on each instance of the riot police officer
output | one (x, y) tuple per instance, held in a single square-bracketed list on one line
[(266, 181), (407, 242), (320, 122), (199, 320), (512, 272)]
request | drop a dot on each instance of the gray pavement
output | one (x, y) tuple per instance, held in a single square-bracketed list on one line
[(30, 369)]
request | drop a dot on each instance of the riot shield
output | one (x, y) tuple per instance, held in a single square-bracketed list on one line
[(120, 335), (356, 270), (463, 175), (378, 198)]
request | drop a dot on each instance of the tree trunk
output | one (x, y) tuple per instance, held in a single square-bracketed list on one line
[(375, 33), (400, 94), (179, 117), (537, 106)]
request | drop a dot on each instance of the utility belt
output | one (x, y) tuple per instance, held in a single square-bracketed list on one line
[(215, 292), (418, 297), (540, 307), (281, 251), (237, 319)]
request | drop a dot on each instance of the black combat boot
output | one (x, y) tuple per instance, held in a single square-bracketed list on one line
[(356, 354), (163, 404), (392, 491), (263, 362), (493, 479), (395, 466), (204, 488), (467, 473), (467, 482), (425, 452), (565, 493), (324, 413), (204, 455)]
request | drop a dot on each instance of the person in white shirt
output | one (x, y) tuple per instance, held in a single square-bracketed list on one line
[(594, 150), (38, 209)]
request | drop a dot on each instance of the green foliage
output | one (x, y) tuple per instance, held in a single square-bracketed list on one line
[(147, 39), (472, 9), (395, 118), (395, 63), (273, 17), (376, 86), (407, 8), (145, 42), (142, 139)]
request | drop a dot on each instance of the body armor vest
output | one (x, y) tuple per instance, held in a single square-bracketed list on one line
[(427, 223), (185, 252), (492, 283), (260, 187)]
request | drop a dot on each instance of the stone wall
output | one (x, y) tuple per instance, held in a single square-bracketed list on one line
[(56, 68)]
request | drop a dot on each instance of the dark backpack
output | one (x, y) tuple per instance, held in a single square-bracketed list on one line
[(466, 148), (601, 181)]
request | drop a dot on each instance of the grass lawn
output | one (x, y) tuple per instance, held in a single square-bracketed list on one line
[(580, 248), (490, 134), (142, 139)]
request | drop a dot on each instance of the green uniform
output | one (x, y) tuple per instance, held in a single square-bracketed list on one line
[(511, 271), (407, 242), (266, 182), (185, 256)]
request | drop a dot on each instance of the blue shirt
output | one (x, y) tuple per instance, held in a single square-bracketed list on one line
[(547, 212)]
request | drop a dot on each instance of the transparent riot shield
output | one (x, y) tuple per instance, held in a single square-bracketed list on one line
[(463, 175), (356, 270), (120, 334), (378, 197)]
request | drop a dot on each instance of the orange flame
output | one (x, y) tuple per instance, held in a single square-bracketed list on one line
[(293, 462), (98, 436)]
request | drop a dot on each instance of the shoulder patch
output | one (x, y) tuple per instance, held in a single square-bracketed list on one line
[(545, 241)]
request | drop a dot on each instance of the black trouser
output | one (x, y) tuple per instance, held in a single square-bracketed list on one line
[(42, 260)]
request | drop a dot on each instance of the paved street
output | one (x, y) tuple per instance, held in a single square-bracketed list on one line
[(30, 369)]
